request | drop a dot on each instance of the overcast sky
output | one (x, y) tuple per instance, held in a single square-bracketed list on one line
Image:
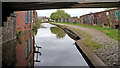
[(73, 12)]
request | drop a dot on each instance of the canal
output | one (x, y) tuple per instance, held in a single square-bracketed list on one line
[(46, 46)]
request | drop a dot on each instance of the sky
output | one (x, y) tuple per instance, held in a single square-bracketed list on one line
[(73, 12)]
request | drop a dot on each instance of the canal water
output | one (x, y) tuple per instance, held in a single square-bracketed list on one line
[(46, 46), (58, 49)]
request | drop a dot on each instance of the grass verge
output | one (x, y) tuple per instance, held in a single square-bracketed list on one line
[(112, 33), (87, 40)]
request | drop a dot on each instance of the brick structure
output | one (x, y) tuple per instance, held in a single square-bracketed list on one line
[(24, 50), (23, 21), (75, 19), (41, 19), (17, 21), (62, 20), (44, 19), (19, 52), (59, 20), (113, 18), (71, 20), (106, 18), (9, 28)]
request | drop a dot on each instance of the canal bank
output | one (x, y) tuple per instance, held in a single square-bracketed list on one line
[(90, 56)]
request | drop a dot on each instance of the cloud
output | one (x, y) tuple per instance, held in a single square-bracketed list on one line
[(73, 12)]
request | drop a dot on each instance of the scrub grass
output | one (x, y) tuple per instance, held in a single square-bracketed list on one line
[(112, 33), (87, 40)]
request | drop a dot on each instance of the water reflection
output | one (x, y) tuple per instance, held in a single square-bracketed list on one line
[(19, 52), (37, 53), (42, 47), (58, 31)]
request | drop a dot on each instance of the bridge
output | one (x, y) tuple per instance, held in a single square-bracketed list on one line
[(9, 7)]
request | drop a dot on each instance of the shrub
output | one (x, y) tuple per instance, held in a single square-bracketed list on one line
[(34, 26)]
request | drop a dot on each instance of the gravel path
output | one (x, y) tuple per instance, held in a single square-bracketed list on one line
[(109, 52), (92, 32)]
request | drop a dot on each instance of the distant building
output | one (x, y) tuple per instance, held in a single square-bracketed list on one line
[(44, 19), (70, 20), (40, 18), (75, 19)]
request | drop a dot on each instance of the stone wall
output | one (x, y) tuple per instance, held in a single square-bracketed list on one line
[(9, 53), (9, 28)]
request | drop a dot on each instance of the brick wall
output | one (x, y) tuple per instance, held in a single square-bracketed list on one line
[(21, 24), (112, 18), (75, 19), (106, 18), (71, 20), (21, 50), (14, 51)]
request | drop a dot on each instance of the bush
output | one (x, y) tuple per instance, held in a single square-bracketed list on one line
[(34, 26)]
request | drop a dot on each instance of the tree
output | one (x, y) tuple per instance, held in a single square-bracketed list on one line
[(59, 14)]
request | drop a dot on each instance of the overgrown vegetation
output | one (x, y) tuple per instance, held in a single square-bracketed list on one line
[(39, 23), (18, 33), (35, 26), (112, 33)]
